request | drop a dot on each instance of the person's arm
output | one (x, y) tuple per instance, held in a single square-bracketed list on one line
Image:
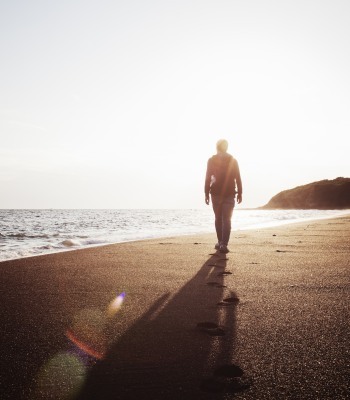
[(207, 183), (239, 184)]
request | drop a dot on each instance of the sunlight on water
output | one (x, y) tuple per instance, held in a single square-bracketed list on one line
[(33, 232)]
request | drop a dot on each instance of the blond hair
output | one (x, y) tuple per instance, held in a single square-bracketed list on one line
[(222, 145)]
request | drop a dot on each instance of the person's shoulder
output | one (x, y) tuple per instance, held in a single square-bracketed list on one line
[(233, 162), (230, 157), (233, 158)]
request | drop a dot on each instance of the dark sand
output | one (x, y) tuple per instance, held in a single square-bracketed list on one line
[(282, 333)]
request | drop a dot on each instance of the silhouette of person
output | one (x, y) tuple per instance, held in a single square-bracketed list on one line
[(223, 182)]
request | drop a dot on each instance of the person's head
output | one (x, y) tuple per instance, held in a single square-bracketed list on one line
[(222, 145)]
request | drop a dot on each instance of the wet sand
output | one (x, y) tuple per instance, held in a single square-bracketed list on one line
[(268, 321)]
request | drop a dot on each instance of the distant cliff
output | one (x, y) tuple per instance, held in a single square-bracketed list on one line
[(323, 195)]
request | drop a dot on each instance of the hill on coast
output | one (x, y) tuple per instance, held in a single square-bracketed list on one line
[(323, 195)]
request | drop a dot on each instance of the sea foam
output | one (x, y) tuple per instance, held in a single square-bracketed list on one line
[(26, 233)]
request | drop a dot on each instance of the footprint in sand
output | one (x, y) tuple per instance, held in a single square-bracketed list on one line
[(238, 385), (216, 284), (212, 385), (211, 328), (223, 304), (232, 299), (228, 301), (207, 325), (229, 371), (224, 273), (227, 378), (215, 332), (217, 385)]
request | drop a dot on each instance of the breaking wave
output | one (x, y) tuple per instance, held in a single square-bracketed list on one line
[(26, 233)]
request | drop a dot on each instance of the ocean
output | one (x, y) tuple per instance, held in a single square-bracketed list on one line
[(25, 233)]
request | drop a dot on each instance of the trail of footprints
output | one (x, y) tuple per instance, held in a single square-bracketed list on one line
[(212, 328), (226, 378)]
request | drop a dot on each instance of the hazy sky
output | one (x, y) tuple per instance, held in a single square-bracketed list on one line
[(119, 104)]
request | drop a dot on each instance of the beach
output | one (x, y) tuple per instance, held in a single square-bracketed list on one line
[(171, 319)]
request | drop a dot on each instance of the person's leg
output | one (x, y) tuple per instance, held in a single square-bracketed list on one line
[(227, 209), (217, 208)]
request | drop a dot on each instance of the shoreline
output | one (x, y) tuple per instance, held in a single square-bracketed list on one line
[(249, 228), (168, 319)]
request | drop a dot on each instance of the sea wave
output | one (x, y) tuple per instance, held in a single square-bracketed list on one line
[(69, 243), (25, 233), (22, 235)]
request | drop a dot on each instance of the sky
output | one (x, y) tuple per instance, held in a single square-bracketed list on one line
[(119, 104)]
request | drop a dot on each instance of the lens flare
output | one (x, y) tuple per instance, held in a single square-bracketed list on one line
[(115, 305), (87, 332), (64, 374), (84, 346), (60, 378)]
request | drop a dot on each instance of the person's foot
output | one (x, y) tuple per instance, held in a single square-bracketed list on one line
[(223, 249)]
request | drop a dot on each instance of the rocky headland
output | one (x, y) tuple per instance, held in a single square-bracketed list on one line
[(323, 195)]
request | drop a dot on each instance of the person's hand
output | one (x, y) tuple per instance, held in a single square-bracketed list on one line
[(207, 201), (239, 198)]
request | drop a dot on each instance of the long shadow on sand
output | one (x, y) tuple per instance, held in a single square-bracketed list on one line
[(181, 348)]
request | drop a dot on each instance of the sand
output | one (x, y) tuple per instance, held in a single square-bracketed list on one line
[(269, 322)]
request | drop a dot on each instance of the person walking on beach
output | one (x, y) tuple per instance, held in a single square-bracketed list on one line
[(223, 182)]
